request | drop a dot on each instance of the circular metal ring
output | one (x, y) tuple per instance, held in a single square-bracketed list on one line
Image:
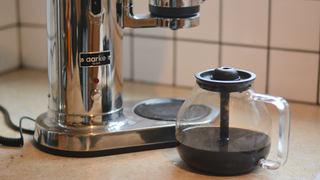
[(175, 3)]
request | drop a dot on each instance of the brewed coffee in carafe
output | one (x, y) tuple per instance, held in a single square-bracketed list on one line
[(233, 135)]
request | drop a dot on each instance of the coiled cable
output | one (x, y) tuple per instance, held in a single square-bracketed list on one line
[(14, 142)]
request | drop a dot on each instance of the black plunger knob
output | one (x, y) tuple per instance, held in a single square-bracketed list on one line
[(225, 73)]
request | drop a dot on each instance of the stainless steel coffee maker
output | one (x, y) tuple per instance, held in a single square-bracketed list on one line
[(86, 114)]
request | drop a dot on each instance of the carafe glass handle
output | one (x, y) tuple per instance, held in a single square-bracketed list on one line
[(284, 130)]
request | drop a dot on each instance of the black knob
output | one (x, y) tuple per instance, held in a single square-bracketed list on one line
[(225, 73), (95, 6)]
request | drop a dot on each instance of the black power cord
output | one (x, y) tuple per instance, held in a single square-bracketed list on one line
[(14, 142)]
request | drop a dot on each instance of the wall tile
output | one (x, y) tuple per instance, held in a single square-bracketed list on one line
[(295, 24), (9, 49), (208, 30), (193, 57), (250, 59), (127, 31), (153, 60), (140, 8), (8, 12), (34, 47), (157, 32), (245, 22), (126, 62), (294, 75), (33, 11), (319, 93)]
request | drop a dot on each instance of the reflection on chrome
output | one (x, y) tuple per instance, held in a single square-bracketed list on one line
[(85, 108), (115, 126)]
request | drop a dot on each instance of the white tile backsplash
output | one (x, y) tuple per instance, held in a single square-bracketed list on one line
[(245, 22), (8, 12), (153, 60), (141, 7), (294, 75), (163, 56), (208, 30), (250, 59), (158, 32), (127, 31), (295, 24), (33, 11), (194, 57), (34, 47), (9, 49)]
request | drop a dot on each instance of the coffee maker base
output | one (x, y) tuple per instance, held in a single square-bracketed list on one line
[(128, 133), (107, 152)]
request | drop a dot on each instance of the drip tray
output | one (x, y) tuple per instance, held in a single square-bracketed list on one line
[(159, 109), (145, 125)]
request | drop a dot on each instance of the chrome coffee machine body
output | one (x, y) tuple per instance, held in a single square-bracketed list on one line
[(86, 113)]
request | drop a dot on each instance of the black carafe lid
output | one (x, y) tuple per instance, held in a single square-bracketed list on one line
[(225, 79)]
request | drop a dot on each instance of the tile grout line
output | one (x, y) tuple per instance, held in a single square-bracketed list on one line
[(198, 41), (220, 35), (318, 88), (174, 73), (19, 33), (228, 44), (294, 50), (6, 27), (268, 48)]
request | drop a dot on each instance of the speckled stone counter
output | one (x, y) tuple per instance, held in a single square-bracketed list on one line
[(24, 93)]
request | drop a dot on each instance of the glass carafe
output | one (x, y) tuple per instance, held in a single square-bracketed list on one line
[(224, 127)]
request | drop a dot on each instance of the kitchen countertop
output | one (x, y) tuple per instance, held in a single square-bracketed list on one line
[(24, 93)]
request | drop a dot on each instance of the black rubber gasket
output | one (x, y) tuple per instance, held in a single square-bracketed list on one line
[(244, 82), (164, 110), (174, 12)]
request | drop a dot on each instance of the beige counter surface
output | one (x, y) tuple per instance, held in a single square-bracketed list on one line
[(24, 93)]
